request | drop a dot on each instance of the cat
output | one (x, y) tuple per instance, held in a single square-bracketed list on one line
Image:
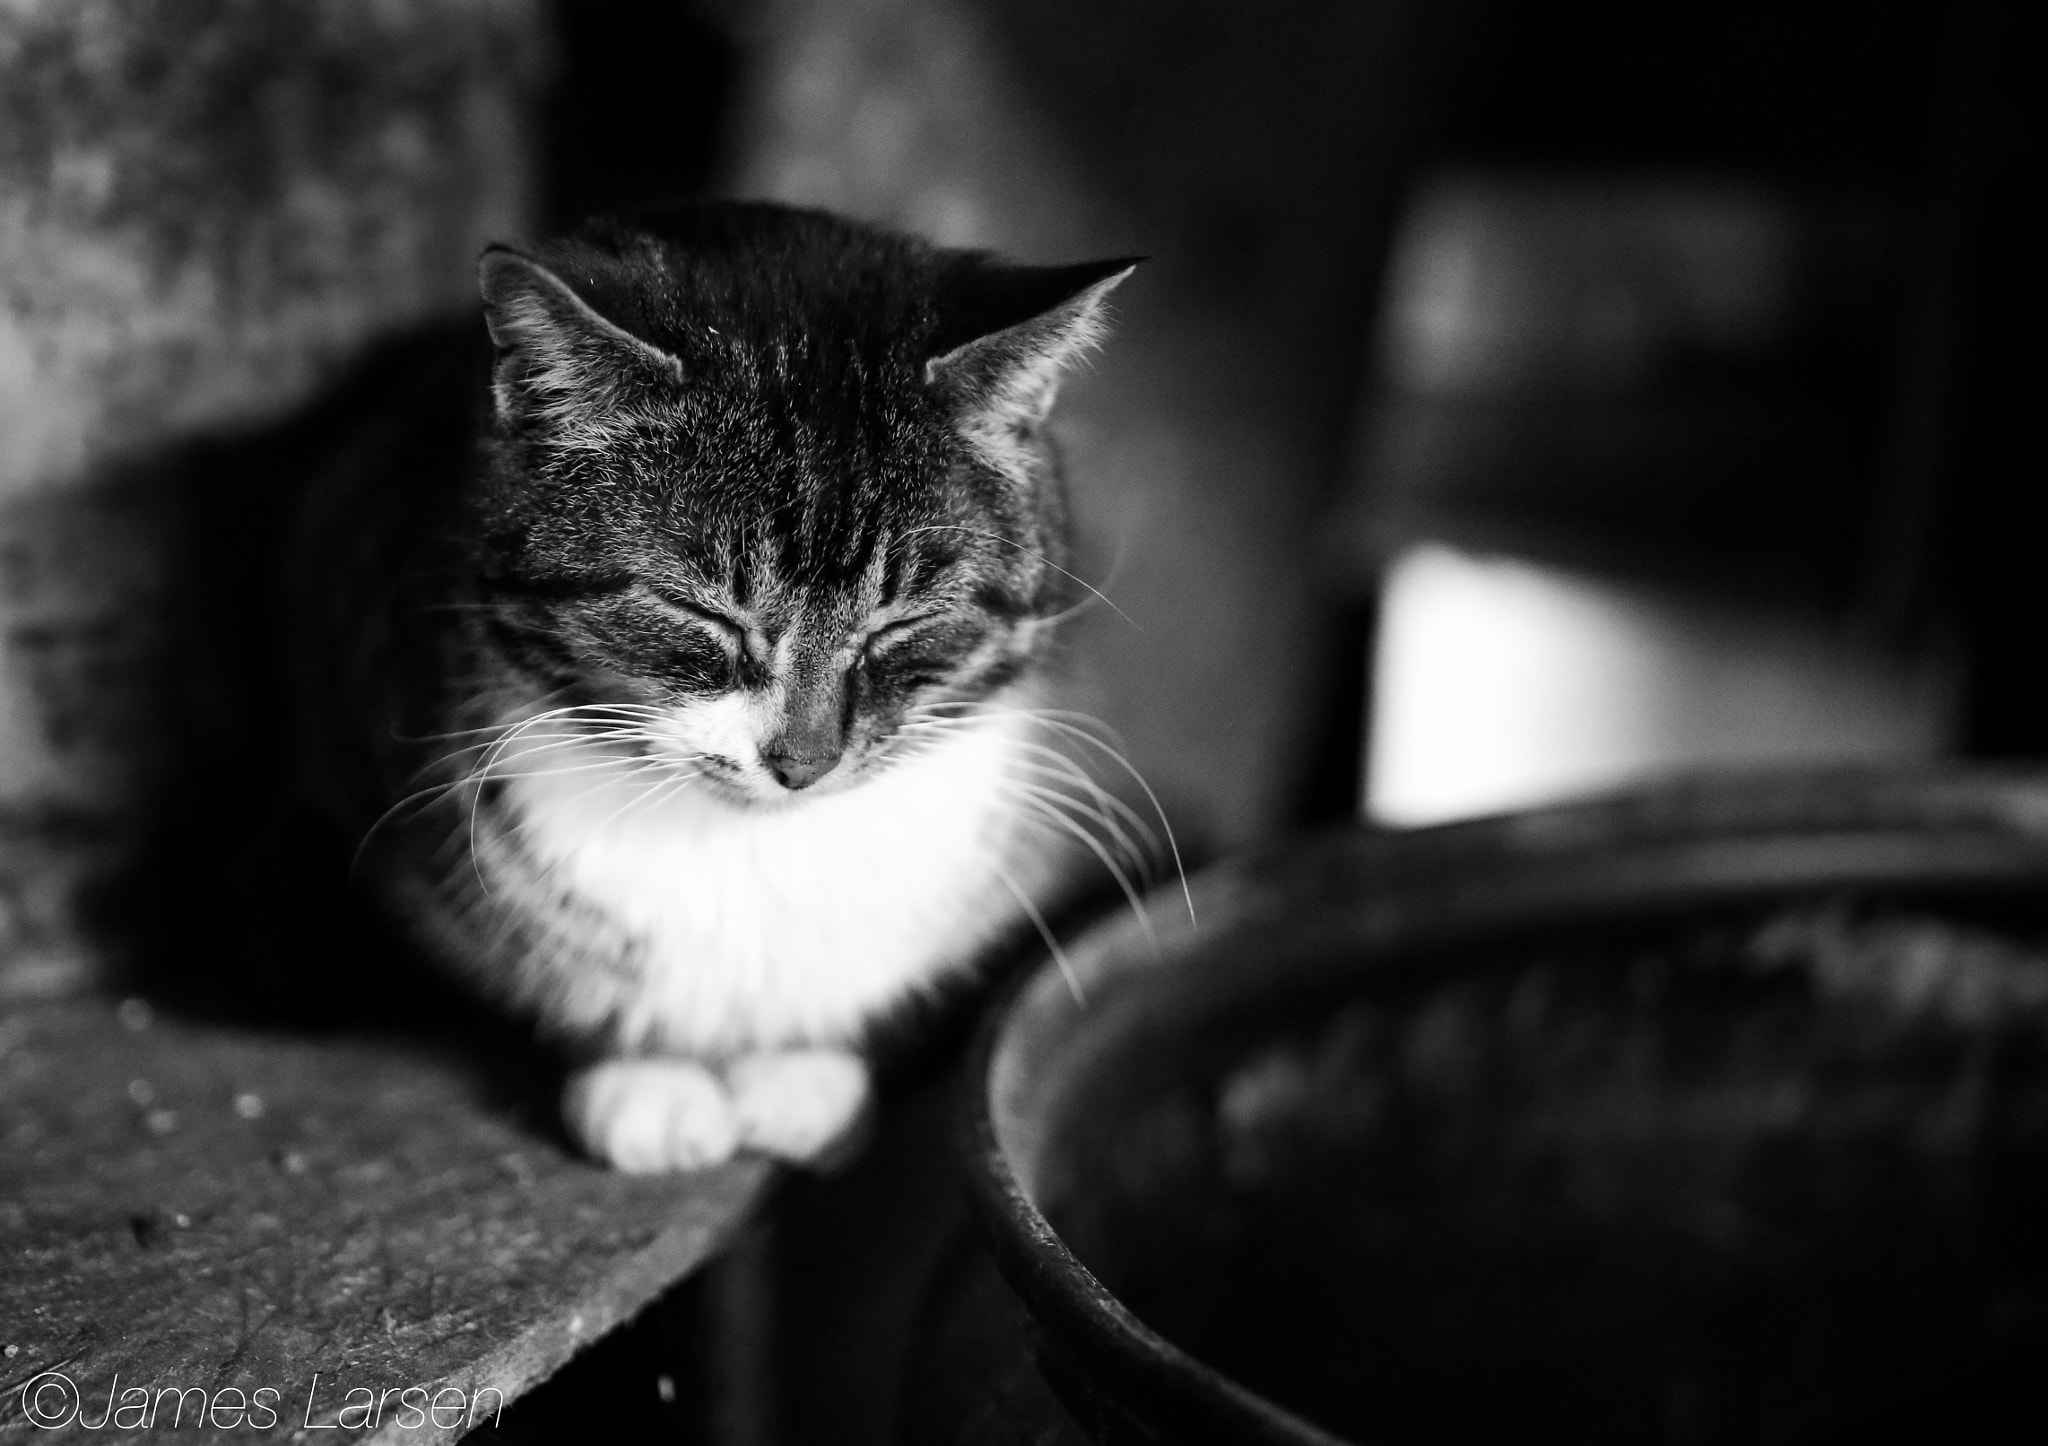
[(683, 698)]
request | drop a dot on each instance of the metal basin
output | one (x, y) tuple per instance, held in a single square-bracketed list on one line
[(1715, 1113)]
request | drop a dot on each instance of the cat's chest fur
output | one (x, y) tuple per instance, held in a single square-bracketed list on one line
[(744, 927)]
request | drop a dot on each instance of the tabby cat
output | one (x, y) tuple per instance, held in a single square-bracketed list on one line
[(687, 709)]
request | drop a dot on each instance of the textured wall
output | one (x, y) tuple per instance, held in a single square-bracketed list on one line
[(206, 206)]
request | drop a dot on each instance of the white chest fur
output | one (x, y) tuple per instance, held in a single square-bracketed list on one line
[(758, 927)]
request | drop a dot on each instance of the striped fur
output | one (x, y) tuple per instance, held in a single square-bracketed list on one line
[(693, 711)]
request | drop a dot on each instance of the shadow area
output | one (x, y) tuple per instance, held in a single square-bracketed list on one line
[(243, 906)]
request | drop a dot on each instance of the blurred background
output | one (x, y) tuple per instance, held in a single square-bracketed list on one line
[(1522, 399)]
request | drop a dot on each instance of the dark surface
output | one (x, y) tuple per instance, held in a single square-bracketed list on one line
[(204, 1206), (1993, 520), (1749, 487), (970, 1379), (638, 107), (1620, 1189), (1622, 1121)]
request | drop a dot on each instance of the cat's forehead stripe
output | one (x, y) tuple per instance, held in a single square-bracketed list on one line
[(874, 589)]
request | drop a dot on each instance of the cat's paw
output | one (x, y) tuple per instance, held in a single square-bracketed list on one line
[(647, 1116), (803, 1105)]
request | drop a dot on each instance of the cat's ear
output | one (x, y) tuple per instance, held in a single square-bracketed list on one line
[(558, 360), (1027, 325)]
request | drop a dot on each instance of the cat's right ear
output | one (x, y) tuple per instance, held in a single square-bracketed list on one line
[(559, 362), (1028, 326)]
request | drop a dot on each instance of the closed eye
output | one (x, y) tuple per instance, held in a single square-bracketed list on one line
[(889, 634), (732, 628)]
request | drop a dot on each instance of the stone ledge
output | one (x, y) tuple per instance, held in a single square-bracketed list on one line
[(193, 1205)]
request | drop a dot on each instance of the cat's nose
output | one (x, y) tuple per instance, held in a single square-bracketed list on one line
[(798, 770), (812, 736)]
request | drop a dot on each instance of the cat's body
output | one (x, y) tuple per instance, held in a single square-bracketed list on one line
[(677, 689)]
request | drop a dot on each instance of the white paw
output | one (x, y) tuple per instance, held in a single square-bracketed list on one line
[(647, 1116), (798, 1104)]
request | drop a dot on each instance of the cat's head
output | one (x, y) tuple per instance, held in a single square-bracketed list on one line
[(772, 481)]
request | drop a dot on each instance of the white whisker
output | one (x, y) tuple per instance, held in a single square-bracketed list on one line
[(1052, 944), (1060, 721), (938, 718), (1036, 807)]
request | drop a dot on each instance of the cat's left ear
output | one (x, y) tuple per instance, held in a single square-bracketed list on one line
[(1032, 323), (560, 361)]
